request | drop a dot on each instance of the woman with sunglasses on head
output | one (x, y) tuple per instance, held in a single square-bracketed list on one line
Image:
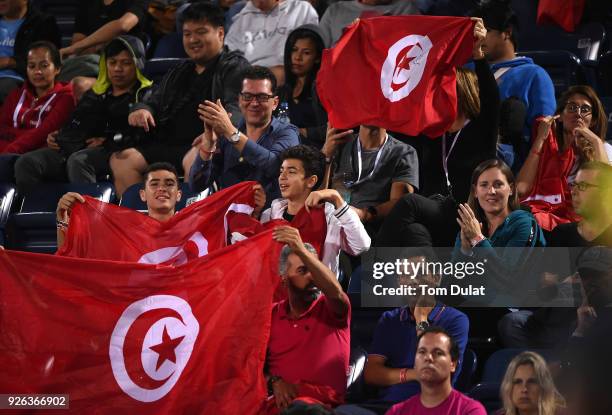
[(562, 143)]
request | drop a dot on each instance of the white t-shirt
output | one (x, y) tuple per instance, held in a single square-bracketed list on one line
[(261, 36)]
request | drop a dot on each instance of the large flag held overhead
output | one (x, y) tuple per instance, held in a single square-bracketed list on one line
[(138, 338), (104, 231), (396, 72)]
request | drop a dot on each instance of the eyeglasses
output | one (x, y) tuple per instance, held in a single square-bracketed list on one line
[(580, 109), (261, 98), (582, 186)]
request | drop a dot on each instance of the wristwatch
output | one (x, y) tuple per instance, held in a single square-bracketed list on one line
[(271, 381), (234, 138), (422, 325)]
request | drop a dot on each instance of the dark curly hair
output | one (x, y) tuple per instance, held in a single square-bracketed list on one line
[(312, 160)]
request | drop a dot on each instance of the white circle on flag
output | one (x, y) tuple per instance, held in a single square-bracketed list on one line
[(176, 254), (402, 70), (180, 333)]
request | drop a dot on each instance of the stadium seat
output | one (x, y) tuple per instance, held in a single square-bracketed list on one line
[(64, 12), (497, 363), (66, 26), (356, 389), (586, 42), (155, 69), (33, 229), (170, 46), (131, 197), (563, 67), (357, 363), (7, 196), (607, 103), (354, 285), (604, 75), (468, 368)]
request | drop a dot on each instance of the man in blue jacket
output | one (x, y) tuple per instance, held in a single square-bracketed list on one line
[(516, 76), (231, 153)]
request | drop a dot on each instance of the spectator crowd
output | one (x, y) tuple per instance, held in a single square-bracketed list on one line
[(517, 169)]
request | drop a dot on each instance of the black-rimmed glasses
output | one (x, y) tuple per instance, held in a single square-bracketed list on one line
[(261, 98), (582, 186)]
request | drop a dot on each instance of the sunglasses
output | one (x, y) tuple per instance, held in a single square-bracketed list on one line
[(573, 108)]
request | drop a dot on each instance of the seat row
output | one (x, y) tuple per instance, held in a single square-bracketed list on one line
[(27, 222)]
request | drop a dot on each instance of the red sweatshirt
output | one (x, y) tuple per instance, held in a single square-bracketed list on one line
[(25, 121)]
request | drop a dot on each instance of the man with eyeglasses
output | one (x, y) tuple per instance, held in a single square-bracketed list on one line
[(592, 200), (230, 154)]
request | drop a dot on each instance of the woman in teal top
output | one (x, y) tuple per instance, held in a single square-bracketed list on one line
[(492, 224)]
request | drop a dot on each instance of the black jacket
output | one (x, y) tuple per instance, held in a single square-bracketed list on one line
[(36, 26), (226, 85), (476, 143), (100, 114), (316, 132)]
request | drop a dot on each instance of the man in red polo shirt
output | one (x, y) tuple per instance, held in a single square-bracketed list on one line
[(309, 347)]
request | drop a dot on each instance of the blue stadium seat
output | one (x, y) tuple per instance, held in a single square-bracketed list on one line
[(607, 103), (66, 26), (497, 363), (586, 42), (131, 197), (468, 368), (155, 69), (7, 197), (170, 46), (563, 67), (32, 228), (604, 75), (354, 286)]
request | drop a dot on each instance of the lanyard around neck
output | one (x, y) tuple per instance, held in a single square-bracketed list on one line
[(446, 155), (360, 163)]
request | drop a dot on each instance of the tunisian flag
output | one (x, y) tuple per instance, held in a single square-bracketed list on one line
[(137, 338), (566, 14), (104, 231), (311, 224), (396, 72)]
